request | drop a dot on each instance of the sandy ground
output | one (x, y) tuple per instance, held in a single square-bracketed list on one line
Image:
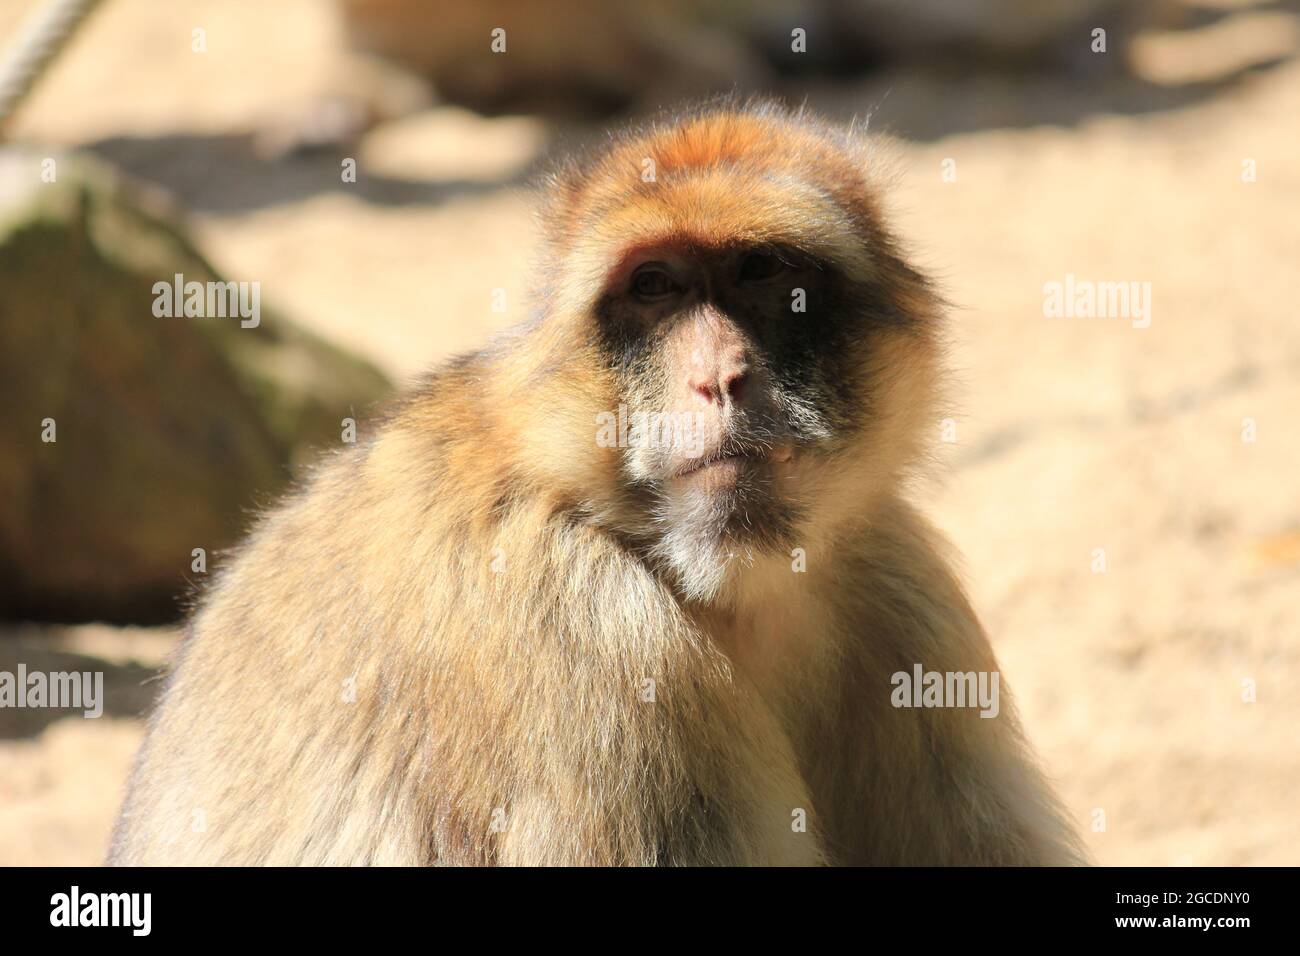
[(1077, 441)]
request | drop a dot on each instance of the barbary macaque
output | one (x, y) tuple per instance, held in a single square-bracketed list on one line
[(501, 631)]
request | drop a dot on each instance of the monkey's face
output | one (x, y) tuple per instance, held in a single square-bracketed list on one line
[(721, 389), (769, 351), (741, 379)]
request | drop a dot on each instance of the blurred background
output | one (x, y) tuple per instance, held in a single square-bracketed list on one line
[(1126, 498)]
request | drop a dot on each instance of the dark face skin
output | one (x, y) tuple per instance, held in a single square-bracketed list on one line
[(750, 351)]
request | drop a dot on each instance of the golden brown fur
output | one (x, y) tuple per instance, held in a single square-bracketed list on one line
[(479, 574)]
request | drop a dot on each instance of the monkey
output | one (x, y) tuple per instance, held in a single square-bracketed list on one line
[(518, 625)]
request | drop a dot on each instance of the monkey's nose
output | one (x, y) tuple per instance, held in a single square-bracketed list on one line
[(727, 386)]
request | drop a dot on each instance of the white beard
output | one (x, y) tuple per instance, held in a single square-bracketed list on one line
[(704, 537)]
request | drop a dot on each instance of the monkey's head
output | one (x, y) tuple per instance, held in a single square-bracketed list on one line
[(742, 360)]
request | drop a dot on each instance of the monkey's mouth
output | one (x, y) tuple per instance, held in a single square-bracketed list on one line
[(730, 461), (719, 461)]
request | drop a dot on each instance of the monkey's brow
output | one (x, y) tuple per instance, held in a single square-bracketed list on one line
[(787, 253), (646, 250)]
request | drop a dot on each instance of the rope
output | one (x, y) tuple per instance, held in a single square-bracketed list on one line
[(42, 37)]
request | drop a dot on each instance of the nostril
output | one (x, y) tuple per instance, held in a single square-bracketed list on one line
[(705, 389), (732, 384)]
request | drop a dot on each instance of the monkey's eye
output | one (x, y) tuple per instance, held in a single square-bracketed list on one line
[(760, 265), (652, 282)]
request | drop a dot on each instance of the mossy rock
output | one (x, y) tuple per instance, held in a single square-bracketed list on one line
[(169, 431)]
